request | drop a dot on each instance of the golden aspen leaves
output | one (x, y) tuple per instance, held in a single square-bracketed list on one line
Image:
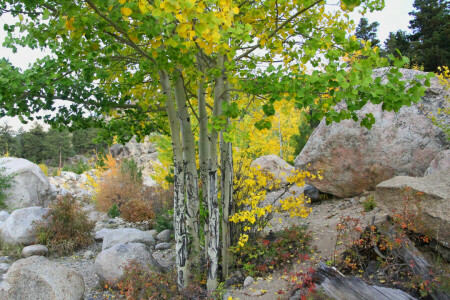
[(126, 11)]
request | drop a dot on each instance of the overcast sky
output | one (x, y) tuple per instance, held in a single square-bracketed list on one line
[(392, 18)]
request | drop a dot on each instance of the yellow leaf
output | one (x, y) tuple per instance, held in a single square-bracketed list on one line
[(69, 24), (126, 11), (143, 6), (122, 1), (134, 38), (235, 10)]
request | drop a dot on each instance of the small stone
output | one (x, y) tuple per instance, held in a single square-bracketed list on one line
[(257, 293), (163, 246), (88, 254), (153, 232), (39, 250), (353, 201), (248, 280), (5, 259), (4, 268), (164, 236)]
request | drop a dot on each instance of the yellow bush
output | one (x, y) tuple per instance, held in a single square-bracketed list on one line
[(44, 168)]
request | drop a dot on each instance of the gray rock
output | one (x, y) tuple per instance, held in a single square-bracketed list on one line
[(163, 246), (440, 163), (127, 235), (153, 232), (3, 215), (5, 259), (39, 250), (164, 236), (312, 193), (37, 278), (88, 254), (248, 280), (30, 186), (4, 268), (111, 263), (354, 159), (19, 228), (69, 176), (99, 235), (435, 200), (275, 165)]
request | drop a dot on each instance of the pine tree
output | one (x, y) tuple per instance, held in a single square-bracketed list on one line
[(399, 40), (431, 33), (368, 32)]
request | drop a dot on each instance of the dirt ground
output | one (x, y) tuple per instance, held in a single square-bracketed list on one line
[(321, 222)]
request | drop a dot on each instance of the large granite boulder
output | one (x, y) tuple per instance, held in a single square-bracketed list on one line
[(354, 159), (440, 163), (434, 201), (275, 165), (110, 264), (127, 235), (30, 186), (37, 278), (19, 228)]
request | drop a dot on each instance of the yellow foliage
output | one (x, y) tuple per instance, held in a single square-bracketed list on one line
[(44, 168)]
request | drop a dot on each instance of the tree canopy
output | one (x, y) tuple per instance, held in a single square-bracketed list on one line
[(368, 32), (431, 33), (179, 66)]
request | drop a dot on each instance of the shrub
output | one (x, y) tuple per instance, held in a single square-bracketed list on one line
[(113, 212), (369, 204), (44, 168), (144, 284), (160, 198), (164, 221), (14, 251), (69, 228), (116, 188), (130, 167), (5, 183), (136, 210), (265, 254)]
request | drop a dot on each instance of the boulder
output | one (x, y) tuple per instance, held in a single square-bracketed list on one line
[(163, 246), (37, 278), (111, 263), (440, 163), (354, 159), (164, 236), (435, 200), (127, 235), (3, 215), (30, 186), (32, 250), (100, 234), (275, 165), (19, 228)]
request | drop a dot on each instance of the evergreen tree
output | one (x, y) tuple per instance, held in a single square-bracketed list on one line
[(7, 140), (33, 144), (83, 141), (368, 32), (399, 40), (431, 33), (59, 145)]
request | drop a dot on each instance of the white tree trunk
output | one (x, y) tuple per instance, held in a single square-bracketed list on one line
[(190, 171), (181, 241), (226, 162), (203, 143), (213, 205)]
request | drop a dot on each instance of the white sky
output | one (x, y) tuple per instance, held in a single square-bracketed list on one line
[(392, 18)]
